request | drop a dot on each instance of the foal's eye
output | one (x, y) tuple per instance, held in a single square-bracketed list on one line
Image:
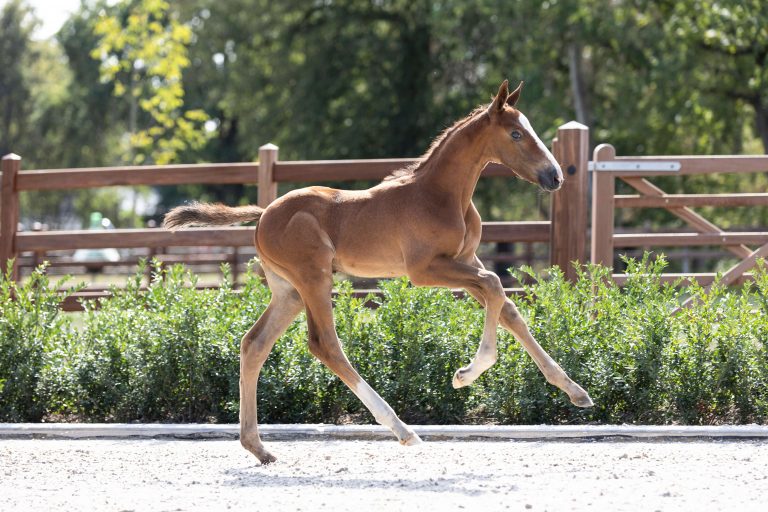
[(516, 135)]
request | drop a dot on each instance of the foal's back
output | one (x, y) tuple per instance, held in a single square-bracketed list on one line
[(359, 230)]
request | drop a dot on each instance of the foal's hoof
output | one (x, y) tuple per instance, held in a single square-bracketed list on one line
[(265, 457), (412, 440), (258, 450), (582, 401), (460, 379)]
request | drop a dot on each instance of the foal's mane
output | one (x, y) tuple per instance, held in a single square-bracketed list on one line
[(436, 145)]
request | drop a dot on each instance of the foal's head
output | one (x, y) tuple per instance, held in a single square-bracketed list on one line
[(513, 142)]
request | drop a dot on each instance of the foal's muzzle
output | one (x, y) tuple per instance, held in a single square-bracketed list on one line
[(550, 178)]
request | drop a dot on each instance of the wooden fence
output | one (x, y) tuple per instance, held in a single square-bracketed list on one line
[(565, 232), (607, 168)]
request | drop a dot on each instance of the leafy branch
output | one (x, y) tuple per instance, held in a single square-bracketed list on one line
[(143, 52)]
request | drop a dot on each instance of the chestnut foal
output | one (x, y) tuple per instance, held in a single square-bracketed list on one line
[(419, 222)]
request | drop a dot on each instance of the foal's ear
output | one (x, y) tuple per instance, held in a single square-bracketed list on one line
[(501, 98), (512, 99)]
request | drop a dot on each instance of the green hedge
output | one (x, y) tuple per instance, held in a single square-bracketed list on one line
[(171, 353)]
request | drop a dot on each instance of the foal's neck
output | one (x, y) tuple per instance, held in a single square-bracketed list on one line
[(455, 166)]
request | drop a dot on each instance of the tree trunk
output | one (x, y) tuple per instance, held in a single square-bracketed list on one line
[(761, 117), (581, 102), (414, 85)]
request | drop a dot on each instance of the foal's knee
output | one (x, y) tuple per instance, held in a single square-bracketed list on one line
[(251, 352)]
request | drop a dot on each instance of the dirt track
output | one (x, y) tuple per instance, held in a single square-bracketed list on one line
[(157, 475)]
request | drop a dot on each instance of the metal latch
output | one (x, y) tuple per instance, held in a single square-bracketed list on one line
[(637, 165)]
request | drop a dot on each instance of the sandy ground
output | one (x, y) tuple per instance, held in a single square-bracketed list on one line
[(178, 475)]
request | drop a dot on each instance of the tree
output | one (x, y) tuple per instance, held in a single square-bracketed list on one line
[(74, 122), (143, 52), (729, 41), (16, 53)]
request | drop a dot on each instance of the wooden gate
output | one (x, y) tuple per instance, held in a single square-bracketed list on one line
[(607, 167)]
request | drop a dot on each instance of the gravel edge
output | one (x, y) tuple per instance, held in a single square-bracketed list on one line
[(371, 432)]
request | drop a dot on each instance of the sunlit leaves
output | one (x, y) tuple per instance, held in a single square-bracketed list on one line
[(143, 52)]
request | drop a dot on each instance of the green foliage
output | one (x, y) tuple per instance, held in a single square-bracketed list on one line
[(409, 347), (641, 362), (73, 121), (34, 348), (361, 79), (170, 353)]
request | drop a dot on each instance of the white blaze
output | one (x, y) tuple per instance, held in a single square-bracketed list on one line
[(527, 126)]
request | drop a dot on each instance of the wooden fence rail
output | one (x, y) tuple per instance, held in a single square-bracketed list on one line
[(566, 232), (690, 200)]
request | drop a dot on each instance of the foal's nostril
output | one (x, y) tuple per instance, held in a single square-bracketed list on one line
[(550, 178)]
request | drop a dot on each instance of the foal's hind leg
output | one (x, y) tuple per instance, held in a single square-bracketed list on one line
[(254, 349), (324, 344)]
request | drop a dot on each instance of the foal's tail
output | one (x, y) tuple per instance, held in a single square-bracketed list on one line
[(207, 214)]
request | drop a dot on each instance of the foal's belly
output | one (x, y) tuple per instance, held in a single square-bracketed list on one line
[(364, 267)]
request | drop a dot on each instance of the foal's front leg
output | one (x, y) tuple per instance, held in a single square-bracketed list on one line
[(512, 321), (481, 283)]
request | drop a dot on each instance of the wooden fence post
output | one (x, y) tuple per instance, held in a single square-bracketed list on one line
[(569, 204), (603, 203), (9, 213), (267, 184)]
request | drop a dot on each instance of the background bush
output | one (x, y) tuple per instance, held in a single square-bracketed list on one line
[(35, 348), (171, 353)]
